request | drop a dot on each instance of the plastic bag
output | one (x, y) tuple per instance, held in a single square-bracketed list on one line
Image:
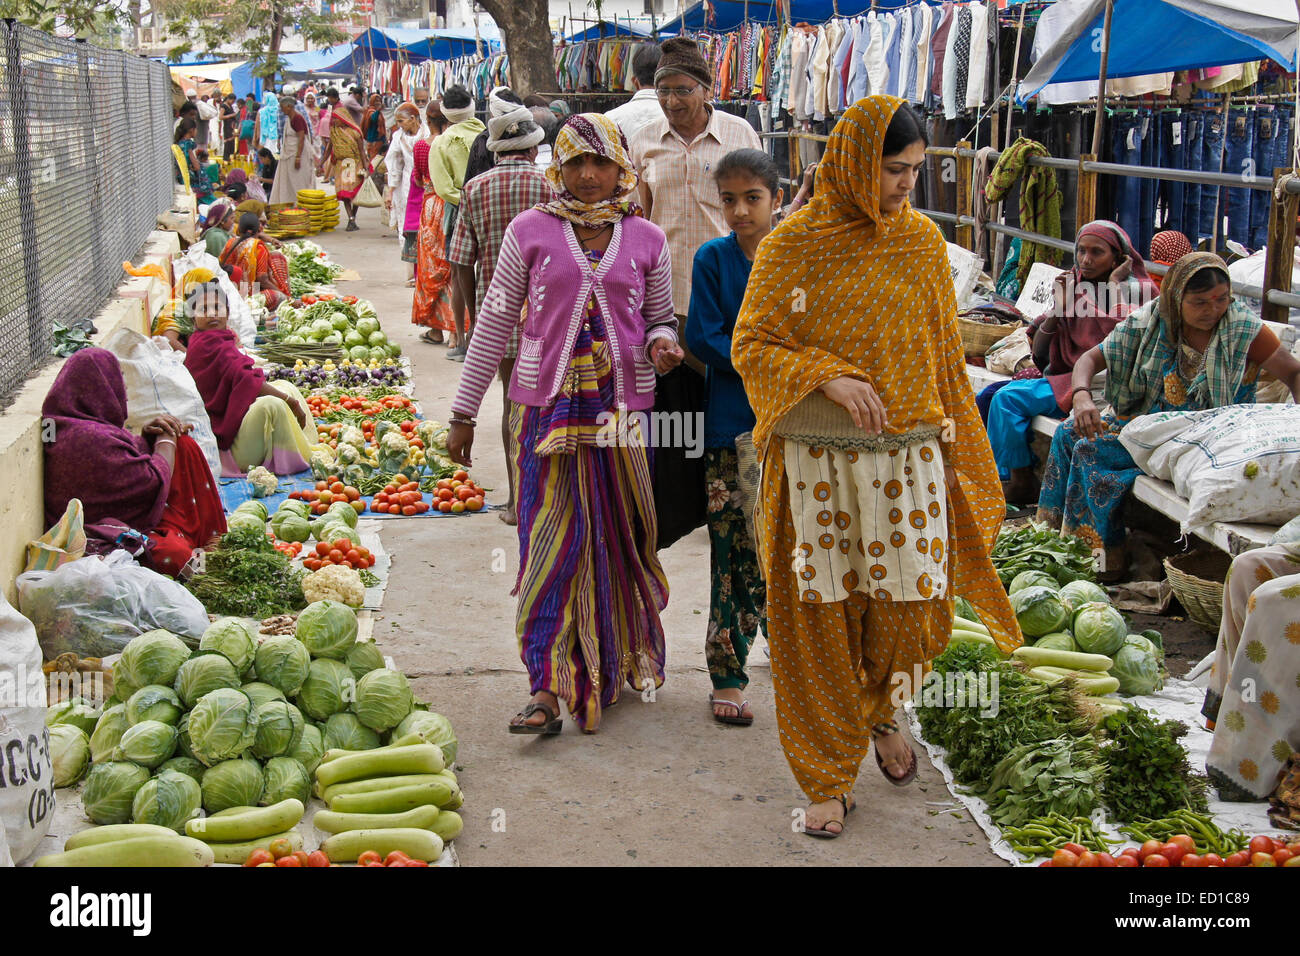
[(1289, 533), (158, 383), (93, 607), (27, 796)]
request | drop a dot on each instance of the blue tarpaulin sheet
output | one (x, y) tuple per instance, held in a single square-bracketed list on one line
[(235, 491)]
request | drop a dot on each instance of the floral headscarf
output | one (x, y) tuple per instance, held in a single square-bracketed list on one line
[(598, 134)]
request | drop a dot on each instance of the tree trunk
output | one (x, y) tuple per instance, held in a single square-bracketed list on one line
[(526, 27)]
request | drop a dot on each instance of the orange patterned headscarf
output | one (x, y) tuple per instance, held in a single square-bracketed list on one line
[(842, 289)]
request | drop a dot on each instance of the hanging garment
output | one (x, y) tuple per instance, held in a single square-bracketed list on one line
[(925, 30), (950, 110), (939, 49), (877, 70), (979, 57)]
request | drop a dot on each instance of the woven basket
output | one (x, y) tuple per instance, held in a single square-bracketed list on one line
[(976, 337), (1197, 581)]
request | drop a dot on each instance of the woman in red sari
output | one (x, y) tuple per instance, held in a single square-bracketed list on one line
[(158, 483), (263, 269), (345, 152), (431, 307)]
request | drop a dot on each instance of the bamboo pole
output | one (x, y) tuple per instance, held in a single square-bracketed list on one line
[(1279, 258), (965, 234)]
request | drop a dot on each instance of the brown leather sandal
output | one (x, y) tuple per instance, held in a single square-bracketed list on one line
[(886, 730), (552, 726), (824, 834)]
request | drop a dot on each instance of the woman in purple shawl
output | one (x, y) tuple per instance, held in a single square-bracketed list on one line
[(157, 483)]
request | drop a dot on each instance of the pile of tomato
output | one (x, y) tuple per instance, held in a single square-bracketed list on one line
[(1181, 850), (290, 549), (400, 498), (329, 491), (322, 406), (396, 858), (342, 552), (281, 853), (313, 298), (458, 494)]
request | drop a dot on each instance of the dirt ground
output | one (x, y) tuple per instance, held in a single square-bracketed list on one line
[(661, 783)]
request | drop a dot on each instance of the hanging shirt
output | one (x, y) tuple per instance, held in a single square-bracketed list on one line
[(799, 75), (877, 70), (939, 50), (950, 66), (924, 16), (838, 87), (906, 54), (820, 68), (979, 57), (857, 87), (893, 58)]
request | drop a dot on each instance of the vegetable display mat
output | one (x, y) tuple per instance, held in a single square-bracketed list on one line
[(235, 491), (1179, 700)]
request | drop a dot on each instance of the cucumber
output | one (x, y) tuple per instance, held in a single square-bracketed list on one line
[(417, 818), (417, 844), (456, 802), (170, 851), (374, 784), (384, 762), (409, 740), (448, 825), (1096, 686), (961, 624), (1071, 660), (397, 800), (971, 637), (237, 853), (116, 831), (240, 827)]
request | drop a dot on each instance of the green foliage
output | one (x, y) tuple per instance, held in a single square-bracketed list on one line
[(255, 27), (1147, 773)]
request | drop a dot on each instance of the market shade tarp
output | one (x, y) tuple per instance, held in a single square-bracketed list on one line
[(730, 14), (395, 43), (448, 44), (317, 61), (1163, 36), (612, 29), (208, 71)]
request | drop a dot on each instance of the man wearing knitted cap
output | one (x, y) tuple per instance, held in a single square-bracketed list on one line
[(447, 163), (488, 203)]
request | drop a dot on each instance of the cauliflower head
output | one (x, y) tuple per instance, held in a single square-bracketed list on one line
[(264, 483), (334, 583)]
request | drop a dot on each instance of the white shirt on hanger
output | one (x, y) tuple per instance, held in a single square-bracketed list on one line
[(877, 69), (922, 37), (973, 95), (950, 109)]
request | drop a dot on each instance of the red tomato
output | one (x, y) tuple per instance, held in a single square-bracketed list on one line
[(322, 548), (311, 564), (324, 497), (1087, 858), (442, 483), (464, 493), (446, 494), (1156, 859), (343, 544), (1262, 859), (1211, 859), (1261, 844), (417, 443), (1281, 856), (322, 486), (317, 858), (352, 493), (353, 556), (337, 488), (1124, 861), (259, 856), (1240, 858), (369, 856), (346, 563), (1184, 841), (335, 555), (1173, 852), (444, 506), (461, 475), (1045, 863), (394, 857), (288, 861), (381, 499), (474, 504), (364, 552), (408, 510), (1148, 848), (358, 506), (1129, 851), (302, 857), (1278, 844), (1106, 860), (390, 489), (1064, 857), (416, 863), (457, 507), (421, 507), (1191, 859), (280, 848)]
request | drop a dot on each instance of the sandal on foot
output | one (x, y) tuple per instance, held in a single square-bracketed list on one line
[(738, 719), (823, 833), (553, 722), (428, 338), (888, 730)]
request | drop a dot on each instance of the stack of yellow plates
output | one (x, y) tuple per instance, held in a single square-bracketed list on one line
[(289, 221), (313, 200)]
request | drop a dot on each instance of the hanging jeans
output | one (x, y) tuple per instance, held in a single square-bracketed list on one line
[(1193, 161), (1149, 129), (1240, 161), (1213, 160), (1272, 151), (1126, 149), (1172, 133)]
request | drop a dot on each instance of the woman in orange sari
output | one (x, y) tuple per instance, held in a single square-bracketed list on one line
[(431, 307), (879, 498), (345, 152), (263, 269)]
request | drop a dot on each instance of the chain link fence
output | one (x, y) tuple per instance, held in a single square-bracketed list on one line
[(85, 168)]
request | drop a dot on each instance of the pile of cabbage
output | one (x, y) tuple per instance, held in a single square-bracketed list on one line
[(235, 723), (1079, 617), (353, 328)]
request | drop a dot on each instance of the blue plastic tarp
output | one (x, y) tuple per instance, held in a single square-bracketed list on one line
[(611, 29), (730, 14), (1192, 34), (317, 61), (243, 82)]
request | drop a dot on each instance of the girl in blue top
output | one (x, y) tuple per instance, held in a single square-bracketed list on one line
[(749, 186)]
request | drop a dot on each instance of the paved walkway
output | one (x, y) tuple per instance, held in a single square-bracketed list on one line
[(661, 783)]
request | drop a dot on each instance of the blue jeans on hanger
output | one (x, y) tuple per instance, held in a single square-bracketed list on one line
[(1150, 127), (1266, 135), (1193, 161), (1173, 134), (1213, 160), (1126, 149), (1240, 161)]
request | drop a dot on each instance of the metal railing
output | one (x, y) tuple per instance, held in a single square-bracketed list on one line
[(85, 168)]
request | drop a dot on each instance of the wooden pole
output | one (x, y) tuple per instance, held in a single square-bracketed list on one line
[(1279, 258), (965, 207), (1086, 198), (1101, 80)]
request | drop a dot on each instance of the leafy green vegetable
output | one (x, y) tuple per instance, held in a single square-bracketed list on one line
[(1147, 773), (247, 577), (1063, 775), (1036, 547)]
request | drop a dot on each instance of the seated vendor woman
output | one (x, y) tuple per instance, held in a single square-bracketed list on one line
[(1107, 283), (158, 484), (1194, 348), (256, 423)]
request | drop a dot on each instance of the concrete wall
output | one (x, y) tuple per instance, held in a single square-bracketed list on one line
[(22, 505)]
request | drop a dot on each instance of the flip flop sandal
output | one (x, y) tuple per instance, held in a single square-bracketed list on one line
[(823, 833), (738, 720), (552, 726), (888, 730), (427, 339)]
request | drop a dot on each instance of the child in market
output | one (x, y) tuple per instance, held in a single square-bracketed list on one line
[(749, 186)]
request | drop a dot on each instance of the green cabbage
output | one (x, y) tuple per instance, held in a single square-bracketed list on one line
[(282, 662), (152, 658), (345, 732), (253, 507), (965, 610), (434, 728), (285, 778), (345, 513), (383, 698), (289, 526), (186, 765), (260, 693), (183, 744), (222, 725), (154, 702), (77, 711), (1032, 579), (1078, 593), (108, 733), (1099, 628), (69, 752), (233, 783), (279, 727), (363, 658), (1057, 641), (231, 637), (167, 800), (310, 747), (1137, 669), (147, 743), (246, 522), (1039, 610), (203, 673), (327, 629), (110, 789), (329, 689)]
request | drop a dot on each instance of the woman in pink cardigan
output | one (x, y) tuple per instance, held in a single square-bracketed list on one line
[(597, 283)]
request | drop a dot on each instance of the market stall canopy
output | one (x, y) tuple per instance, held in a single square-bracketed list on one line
[(1163, 36), (317, 61), (730, 14), (448, 44), (394, 43), (612, 29), (210, 71)]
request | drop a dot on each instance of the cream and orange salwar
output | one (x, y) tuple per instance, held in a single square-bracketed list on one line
[(842, 289)]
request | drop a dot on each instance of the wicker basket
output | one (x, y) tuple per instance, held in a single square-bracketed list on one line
[(1197, 581), (976, 337)]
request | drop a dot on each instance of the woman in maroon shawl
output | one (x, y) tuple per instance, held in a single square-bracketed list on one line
[(1108, 282), (158, 484), (256, 423)]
